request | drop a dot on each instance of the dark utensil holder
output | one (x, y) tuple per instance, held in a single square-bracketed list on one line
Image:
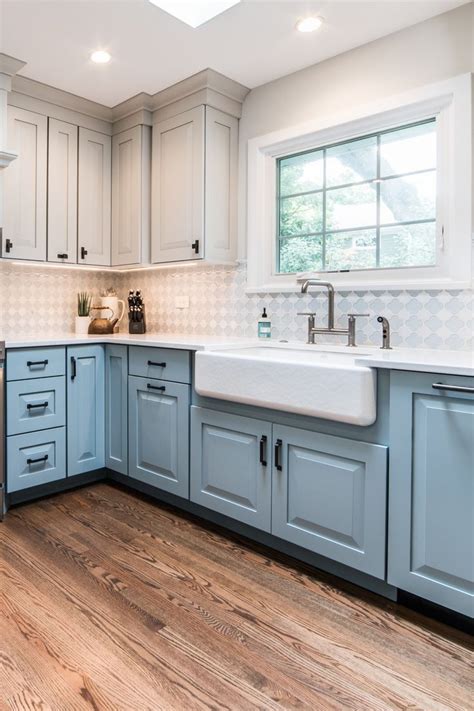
[(136, 322)]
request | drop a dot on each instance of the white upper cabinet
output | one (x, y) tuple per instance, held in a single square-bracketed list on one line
[(62, 192), (131, 178), (94, 197), (194, 187), (24, 233), (178, 187)]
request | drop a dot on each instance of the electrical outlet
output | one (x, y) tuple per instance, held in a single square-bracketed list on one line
[(182, 302)]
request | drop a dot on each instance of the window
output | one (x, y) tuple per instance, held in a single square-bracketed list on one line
[(379, 193), (367, 203)]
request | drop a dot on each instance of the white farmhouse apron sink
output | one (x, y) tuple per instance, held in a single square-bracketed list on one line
[(318, 383)]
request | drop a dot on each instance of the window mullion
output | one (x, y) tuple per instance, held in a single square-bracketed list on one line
[(377, 188), (323, 239)]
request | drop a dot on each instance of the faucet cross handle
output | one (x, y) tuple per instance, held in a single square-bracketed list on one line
[(351, 330)]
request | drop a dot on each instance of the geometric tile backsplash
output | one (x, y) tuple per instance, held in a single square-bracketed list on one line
[(41, 301)]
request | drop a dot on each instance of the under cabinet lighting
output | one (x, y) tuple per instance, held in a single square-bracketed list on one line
[(309, 24), (194, 12), (100, 57)]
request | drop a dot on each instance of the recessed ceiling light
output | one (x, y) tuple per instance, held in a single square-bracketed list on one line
[(309, 24), (100, 57), (194, 12)]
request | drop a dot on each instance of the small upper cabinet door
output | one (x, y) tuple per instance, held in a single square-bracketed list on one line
[(62, 192), (431, 502), (24, 233), (178, 187), (94, 196), (329, 496), (85, 409), (222, 135), (131, 182)]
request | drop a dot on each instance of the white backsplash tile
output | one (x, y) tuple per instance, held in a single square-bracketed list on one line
[(41, 301), (219, 306)]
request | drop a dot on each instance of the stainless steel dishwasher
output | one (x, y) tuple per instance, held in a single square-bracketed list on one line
[(2, 429)]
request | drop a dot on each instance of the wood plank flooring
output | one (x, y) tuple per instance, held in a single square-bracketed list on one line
[(109, 601)]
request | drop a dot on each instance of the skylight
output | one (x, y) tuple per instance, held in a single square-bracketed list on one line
[(194, 12)]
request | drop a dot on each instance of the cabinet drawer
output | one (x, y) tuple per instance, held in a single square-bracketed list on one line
[(37, 404), (162, 363), (35, 458), (26, 363)]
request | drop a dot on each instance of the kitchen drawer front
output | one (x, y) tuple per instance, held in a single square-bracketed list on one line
[(37, 404), (161, 363), (26, 363), (36, 458)]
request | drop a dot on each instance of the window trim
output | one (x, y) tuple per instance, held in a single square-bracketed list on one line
[(450, 102)]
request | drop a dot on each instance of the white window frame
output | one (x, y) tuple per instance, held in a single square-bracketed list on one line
[(450, 102)]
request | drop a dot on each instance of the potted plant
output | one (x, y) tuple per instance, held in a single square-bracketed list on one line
[(83, 308)]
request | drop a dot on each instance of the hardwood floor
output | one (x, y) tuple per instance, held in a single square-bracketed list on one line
[(109, 601)]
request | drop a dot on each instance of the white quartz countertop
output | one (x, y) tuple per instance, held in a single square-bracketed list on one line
[(414, 359)]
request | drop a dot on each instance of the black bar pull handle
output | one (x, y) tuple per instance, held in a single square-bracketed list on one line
[(158, 365), (278, 445), (62, 256), (32, 363), (156, 387), (263, 450), (73, 368), (38, 460), (8, 245), (31, 406), (83, 252), (195, 246)]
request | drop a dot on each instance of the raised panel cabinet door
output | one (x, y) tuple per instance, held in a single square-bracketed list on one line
[(85, 409), (116, 408), (159, 434), (222, 138), (178, 187), (94, 197), (431, 501), (131, 183), (231, 466), (329, 496), (62, 192), (24, 229)]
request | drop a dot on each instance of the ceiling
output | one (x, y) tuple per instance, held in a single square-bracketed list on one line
[(252, 42)]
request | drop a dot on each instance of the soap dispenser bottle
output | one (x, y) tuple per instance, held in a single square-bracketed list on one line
[(264, 326)]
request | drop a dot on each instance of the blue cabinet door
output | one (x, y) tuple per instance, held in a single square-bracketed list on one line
[(116, 408), (85, 409), (329, 496), (231, 465), (431, 503), (159, 434)]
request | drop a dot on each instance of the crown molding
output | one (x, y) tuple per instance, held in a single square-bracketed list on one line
[(9, 65), (207, 86)]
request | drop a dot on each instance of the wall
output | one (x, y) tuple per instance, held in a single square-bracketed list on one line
[(42, 301), (431, 51)]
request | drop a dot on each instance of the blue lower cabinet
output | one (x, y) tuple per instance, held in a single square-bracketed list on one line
[(85, 409), (116, 408), (36, 458), (37, 404), (231, 465), (329, 496), (159, 434), (431, 503)]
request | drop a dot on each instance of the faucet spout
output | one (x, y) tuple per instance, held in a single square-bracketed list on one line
[(330, 289)]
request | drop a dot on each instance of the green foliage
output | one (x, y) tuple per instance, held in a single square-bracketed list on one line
[(83, 303)]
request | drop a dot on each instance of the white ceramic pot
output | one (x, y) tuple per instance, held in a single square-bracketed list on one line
[(117, 306), (82, 324)]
